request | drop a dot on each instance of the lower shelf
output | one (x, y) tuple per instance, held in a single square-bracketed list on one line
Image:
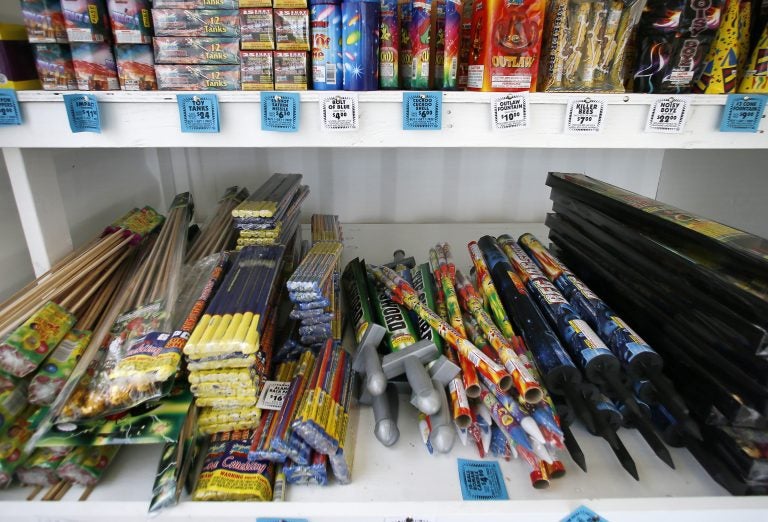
[(405, 481)]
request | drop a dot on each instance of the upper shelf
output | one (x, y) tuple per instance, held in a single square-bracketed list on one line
[(150, 119)]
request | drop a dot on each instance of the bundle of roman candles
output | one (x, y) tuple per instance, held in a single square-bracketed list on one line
[(270, 215), (228, 352), (326, 227), (311, 289)]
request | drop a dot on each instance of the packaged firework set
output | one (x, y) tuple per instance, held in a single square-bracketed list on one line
[(587, 44), (86, 20), (136, 67), (44, 21), (131, 21)]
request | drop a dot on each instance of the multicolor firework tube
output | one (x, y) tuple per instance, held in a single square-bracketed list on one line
[(51, 377), (424, 285), (401, 292), (40, 468), (609, 58), (500, 446), (511, 429), (27, 346), (405, 55), (720, 72), (85, 465), (264, 432), (486, 286), (389, 49), (342, 460), (424, 431), (465, 43), (423, 42), (452, 35), (440, 265), (228, 474), (281, 441), (635, 354), (392, 316), (525, 383), (325, 26), (360, 44), (756, 71)]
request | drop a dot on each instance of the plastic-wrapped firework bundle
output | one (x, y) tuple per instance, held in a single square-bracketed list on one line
[(673, 39), (218, 233), (86, 464), (326, 227), (360, 44), (389, 48), (40, 468), (313, 474), (265, 429), (325, 27), (271, 214)]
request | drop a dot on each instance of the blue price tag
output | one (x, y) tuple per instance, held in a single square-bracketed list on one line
[(280, 111), (199, 112), (9, 108), (422, 111), (743, 113), (583, 514), (481, 480), (83, 113)]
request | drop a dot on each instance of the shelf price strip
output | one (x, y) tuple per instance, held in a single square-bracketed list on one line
[(339, 112), (422, 111), (83, 113), (199, 113), (743, 113), (509, 111), (585, 116), (280, 111), (9, 108), (668, 115)]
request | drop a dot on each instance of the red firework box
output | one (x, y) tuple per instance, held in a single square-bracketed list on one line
[(505, 45), (86, 20), (95, 67), (257, 29), (131, 21), (136, 67), (291, 70)]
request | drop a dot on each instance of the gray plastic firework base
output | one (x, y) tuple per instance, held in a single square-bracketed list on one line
[(367, 360), (443, 370), (411, 361)]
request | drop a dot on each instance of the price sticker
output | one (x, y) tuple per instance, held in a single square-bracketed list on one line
[(339, 112), (280, 111), (9, 108), (83, 113), (743, 113), (668, 114), (584, 116), (422, 111), (481, 480), (583, 514), (509, 111), (272, 395), (199, 112)]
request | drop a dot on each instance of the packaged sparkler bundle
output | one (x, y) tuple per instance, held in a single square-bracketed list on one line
[(588, 44), (218, 234), (40, 468), (673, 39), (85, 465)]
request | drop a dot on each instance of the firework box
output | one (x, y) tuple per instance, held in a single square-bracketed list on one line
[(44, 21), (86, 20), (95, 67), (291, 68), (506, 40), (191, 50), (290, 4), (256, 71), (255, 3), (131, 21), (54, 67), (197, 4), (136, 67), (257, 29), (17, 64), (198, 77), (223, 23), (292, 29)]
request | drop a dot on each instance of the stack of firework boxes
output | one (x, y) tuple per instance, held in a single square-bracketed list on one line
[(91, 26)]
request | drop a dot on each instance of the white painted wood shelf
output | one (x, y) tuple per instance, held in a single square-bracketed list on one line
[(150, 119), (404, 480)]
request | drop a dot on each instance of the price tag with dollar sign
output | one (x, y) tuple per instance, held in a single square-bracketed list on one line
[(585, 116), (509, 111), (422, 110), (9, 108), (743, 113), (668, 114), (199, 112), (83, 112), (339, 112)]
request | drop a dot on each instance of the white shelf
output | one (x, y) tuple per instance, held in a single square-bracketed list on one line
[(150, 119), (405, 480)]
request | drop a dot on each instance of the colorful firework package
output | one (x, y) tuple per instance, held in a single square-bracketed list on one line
[(131, 21), (673, 40), (291, 70), (405, 57), (224, 23), (257, 29), (256, 71), (587, 44), (205, 50), (136, 67), (360, 44), (86, 20), (389, 49), (54, 67), (447, 76), (198, 77), (727, 56), (506, 40), (292, 29), (756, 74), (325, 23), (426, 16), (95, 67), (44, 21)]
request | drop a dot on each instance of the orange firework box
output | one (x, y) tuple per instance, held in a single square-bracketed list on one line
[(505, 45)]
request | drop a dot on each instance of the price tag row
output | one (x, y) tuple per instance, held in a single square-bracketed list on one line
[(280, 112)]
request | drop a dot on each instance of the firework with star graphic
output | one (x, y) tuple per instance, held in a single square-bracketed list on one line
[(360, 44)]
